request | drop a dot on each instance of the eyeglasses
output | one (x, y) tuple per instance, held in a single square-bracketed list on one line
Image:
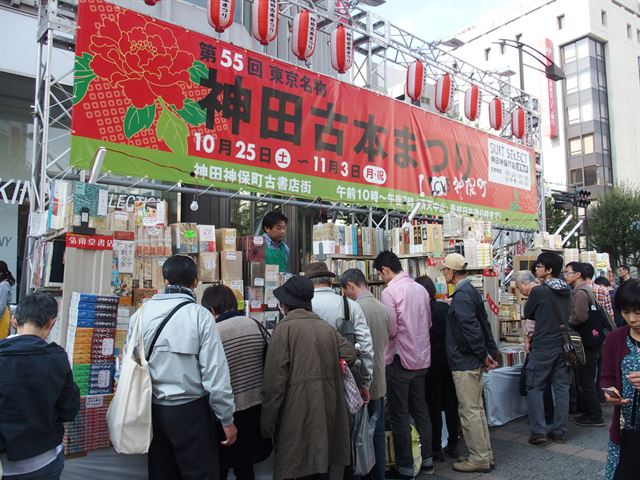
[(569, 273)]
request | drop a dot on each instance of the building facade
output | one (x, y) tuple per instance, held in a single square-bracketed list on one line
[(590, 120)]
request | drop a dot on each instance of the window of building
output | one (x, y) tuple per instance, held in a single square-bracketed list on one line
[(629, 31), (502, 48), (582, 48), (638, 35), (584, 80), (590, 175), (576, 177), (560, 22), (587, 142), (604, 110), (571, 84), (575, 146), (573, 115), (605, 143), (603, 17), (599, 50), (586, 112), (487, 53), (569, 53)]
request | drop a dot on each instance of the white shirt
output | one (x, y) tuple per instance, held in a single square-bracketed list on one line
[(29, 465)]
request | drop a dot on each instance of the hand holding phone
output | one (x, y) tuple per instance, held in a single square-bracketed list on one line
[(611, 395), (612, 392)]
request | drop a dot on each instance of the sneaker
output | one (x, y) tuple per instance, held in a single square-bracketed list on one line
[(467, 467), (395, 474), (557, 437), (427, 469), (585, 421), (452, 451), (492, 464), (438, 456), (538, 439)]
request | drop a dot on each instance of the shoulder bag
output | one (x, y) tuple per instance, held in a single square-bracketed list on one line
[(266, 337), (348, 330), (129, 414), (629, 462), (594, 330), (572, 347)]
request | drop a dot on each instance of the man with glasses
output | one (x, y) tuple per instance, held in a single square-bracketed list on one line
[(546, 365), (583, 299)]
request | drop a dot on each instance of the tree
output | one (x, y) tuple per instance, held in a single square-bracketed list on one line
[(610, 224)]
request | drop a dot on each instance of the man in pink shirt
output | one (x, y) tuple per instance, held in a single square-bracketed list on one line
[(407, 358)]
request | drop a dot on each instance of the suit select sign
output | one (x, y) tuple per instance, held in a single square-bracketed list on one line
[(174, 105)]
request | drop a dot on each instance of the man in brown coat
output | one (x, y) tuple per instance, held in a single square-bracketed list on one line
[(304, 408)]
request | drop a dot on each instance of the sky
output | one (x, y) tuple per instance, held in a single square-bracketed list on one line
[(436, 19)]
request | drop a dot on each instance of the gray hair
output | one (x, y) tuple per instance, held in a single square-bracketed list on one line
[(525, 277), (353, 275), (322, 280)]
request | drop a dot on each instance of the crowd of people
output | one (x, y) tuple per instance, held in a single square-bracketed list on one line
[(227, 393)]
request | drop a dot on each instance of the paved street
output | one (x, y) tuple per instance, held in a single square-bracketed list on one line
[(582, 457)]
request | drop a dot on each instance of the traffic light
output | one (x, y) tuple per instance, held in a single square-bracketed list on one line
[(582, 198)]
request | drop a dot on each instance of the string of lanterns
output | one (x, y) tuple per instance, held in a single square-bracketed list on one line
[(264, 28)]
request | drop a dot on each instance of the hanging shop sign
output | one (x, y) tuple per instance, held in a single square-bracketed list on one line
[(211, 113)]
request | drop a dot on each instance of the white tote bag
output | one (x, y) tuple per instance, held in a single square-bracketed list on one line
[(129, 415)]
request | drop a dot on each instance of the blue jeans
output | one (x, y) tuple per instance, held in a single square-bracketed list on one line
[(547, 367), (379, 446), (48, 472)]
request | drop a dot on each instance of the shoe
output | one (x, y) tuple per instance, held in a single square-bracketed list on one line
[(452, 451), (427, 469), (467, 467), (438, 456), (557, 437), (538, 439), (492, 464), (585, 421), (395, 474)]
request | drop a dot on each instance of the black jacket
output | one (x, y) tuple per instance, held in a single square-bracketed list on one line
[(439, 312), (37, 394), (469, 339)]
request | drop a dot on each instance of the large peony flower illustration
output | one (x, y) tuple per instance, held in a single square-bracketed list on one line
[(143, 58)]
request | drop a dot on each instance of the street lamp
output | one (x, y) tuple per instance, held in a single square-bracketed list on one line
[(551, 70)]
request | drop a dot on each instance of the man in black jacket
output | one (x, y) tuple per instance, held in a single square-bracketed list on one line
[(471, 350), (37, 393), (548, 305)]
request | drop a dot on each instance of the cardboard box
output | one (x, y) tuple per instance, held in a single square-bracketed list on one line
[(255, 274), (208, 267), (230, 265), (185, 238), (237, 287), (206, 238), (253, 248), (226, 239)]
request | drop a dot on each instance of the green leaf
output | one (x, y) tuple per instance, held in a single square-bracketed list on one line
[(197, 71), (83, 75), (172, 130), (138, 118), (192, 112)]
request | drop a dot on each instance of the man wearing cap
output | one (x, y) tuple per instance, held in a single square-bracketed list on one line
[(407, 357), (331, 308), (471, 350), (304, 408)]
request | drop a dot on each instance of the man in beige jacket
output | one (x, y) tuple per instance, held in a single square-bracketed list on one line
[(354, 286)]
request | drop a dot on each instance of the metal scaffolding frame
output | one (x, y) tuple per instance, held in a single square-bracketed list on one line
[(377, 42)]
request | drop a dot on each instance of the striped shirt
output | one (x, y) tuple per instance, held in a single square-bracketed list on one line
[(244, 348)]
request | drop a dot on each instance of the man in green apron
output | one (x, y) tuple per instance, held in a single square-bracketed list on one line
[(274, 225)]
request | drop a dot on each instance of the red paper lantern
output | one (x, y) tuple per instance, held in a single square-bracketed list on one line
[(472, 102), (264, 20), (518, 122), (416, 80), (445, 89), (496, 114), (341, 49), (151, 3), (303, 41), (220, 13)]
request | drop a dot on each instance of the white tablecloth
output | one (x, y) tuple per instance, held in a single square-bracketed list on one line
[(503, 401)]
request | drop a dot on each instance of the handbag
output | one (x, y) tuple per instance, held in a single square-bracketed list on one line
[(629, 462), (129, 414), (572, 347), (351, 392), (362, 449), (347, 329)]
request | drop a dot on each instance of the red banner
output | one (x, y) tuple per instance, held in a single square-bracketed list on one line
[(175, 105), (89, 242)]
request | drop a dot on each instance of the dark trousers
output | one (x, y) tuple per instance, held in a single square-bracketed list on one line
[(405, 396), (588, 396), (441, 395), (379, 445), (185, 444)]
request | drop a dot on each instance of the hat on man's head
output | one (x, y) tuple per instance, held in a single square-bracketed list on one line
[(455, 262), (296, 292), (318, 269)]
